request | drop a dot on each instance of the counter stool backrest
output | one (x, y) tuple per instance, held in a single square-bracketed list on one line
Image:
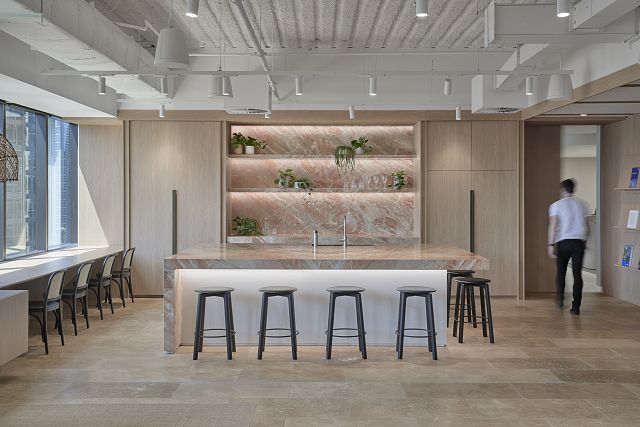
[(127, 260), (82, 280), (54, 287), (107, 266)]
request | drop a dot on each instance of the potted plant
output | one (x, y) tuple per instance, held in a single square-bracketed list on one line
[(344, 156), (284, 178), (237, 142), (252, 143), (302, 184), (399, 180), (246, 226), (360, 145)]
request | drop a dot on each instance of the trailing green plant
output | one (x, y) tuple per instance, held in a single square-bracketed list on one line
[(246, 226), (345, 157), (285, 178), (303, 183), (399, 180), (239, 139), (362, 143)]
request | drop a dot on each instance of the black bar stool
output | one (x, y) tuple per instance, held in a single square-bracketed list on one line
[(277, 291), (466, 287), (229, 331), (356, 293), (452, 274), (423, 292)]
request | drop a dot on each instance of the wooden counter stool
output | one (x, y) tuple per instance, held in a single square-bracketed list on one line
[(78, 292), (201, 306), (277, 291), (51, 301), (356, 293), (422, 292), (466, 287), (452, 274)]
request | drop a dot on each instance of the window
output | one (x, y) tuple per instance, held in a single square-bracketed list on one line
[(25, 199), (63, 183)]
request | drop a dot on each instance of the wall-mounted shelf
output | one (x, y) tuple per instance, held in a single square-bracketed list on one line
[(320, 156), (631, 230), (320, 190), (627, 268), (626, 189)]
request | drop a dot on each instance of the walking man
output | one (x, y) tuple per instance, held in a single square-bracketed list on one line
[(568, 231)]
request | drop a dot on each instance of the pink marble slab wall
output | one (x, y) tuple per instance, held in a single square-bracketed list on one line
[(378, 214), (324, 139)]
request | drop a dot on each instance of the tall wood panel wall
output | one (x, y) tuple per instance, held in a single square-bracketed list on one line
[(620, 150), (480, 156)]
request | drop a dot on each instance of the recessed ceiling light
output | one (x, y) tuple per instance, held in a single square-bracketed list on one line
[(562, 8), (422, 9), (192, 8)]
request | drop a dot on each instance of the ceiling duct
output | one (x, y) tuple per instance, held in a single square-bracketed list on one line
[(251, 95), (485, 98)]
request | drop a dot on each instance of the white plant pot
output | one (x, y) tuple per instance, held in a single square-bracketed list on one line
[(249, 149)]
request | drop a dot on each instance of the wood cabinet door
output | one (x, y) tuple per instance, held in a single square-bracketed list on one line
[(447, 207), (448, 146), (495, 145)]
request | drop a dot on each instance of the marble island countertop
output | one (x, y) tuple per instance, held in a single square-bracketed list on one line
[(381, 257)]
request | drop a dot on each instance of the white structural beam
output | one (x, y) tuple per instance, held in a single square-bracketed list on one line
[(525, 59), (600, 13)]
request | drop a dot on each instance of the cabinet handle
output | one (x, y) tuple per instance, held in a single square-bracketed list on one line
[(472, 201), (174, 222)]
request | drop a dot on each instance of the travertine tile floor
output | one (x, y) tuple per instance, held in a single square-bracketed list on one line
[(547, 368)]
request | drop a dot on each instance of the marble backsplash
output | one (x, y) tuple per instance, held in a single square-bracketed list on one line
[(324, 139), (252, 173), (376, 214)]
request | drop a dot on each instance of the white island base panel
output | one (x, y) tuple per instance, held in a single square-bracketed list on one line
[(380, 304)]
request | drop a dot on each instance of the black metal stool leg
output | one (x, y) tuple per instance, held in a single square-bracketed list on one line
[(85, 304), (292, 327), (427, 311), (489, 317), (472, 292), (431, 326), (361, 329), (263, 325), (233, 327), (449, 278), (196, 331), (45, 332), (398, 329), (483, 311), (74, 309), (227, 326), (332, 308), (403, 313), (468, 299), (456, 311), (462, 306)]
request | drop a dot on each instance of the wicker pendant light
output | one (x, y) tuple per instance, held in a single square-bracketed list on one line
[(8, 161)]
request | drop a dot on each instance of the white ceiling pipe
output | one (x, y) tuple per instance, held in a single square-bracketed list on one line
[(529, 86), (102, 85), (352, 112), (458, 113), (298, 81), (447, 86), (563, 8), (192, 8), (256, 45), (373, 86), (422, 8)]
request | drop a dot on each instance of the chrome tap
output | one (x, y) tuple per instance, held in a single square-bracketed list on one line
[(344, 232), (314, 242)]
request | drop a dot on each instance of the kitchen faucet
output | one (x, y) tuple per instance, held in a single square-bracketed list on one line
[(344, 232)]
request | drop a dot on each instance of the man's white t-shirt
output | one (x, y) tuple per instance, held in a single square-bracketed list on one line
[(572, 221)]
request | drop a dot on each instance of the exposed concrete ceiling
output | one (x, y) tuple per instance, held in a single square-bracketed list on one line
[(310, 24)]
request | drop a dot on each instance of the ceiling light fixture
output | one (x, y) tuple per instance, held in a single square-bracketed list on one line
[(164, 89), (583, 115), (227, 89), (298, 81), (171, 51), (161, 110), (529, 86), (267, 115), (352, 112), (562, 8), (215, 86), (422, 8), (447, 86), (192, 8), (560, 87), (102, 85), (373, 86), (458, 113)]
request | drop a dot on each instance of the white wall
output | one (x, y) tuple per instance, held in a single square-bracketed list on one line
[(583, 170)]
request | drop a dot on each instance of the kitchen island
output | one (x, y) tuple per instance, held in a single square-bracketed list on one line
[(247, 267)]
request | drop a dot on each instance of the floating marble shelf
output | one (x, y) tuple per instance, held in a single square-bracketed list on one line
[(626, 189), (321, 190), (319, 156), (632, 230), (627, 268)]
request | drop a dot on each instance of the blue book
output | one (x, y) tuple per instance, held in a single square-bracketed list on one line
[(627, 256), (633, 182)]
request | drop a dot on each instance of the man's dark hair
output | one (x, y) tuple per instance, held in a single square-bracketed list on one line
[(568, 185)]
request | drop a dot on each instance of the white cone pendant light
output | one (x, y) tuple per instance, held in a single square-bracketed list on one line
[(227, 89), (172, 51), (562, 8), (192, 8), (560, 87), (528, 90), (215, 86), (422, 8)]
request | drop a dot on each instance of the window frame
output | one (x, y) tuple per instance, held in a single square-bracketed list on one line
[(44, 177)]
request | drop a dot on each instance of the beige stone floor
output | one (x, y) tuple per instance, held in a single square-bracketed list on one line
[(547, 368)]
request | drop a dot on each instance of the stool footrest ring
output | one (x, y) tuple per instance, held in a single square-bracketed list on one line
[(277, 336), (345, 336), (416, 336)]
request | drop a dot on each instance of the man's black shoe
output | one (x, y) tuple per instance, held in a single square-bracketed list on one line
[(575, 311)]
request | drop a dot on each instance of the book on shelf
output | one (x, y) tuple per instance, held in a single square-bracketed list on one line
[(632, 221), (627, 256), (633, 181)]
